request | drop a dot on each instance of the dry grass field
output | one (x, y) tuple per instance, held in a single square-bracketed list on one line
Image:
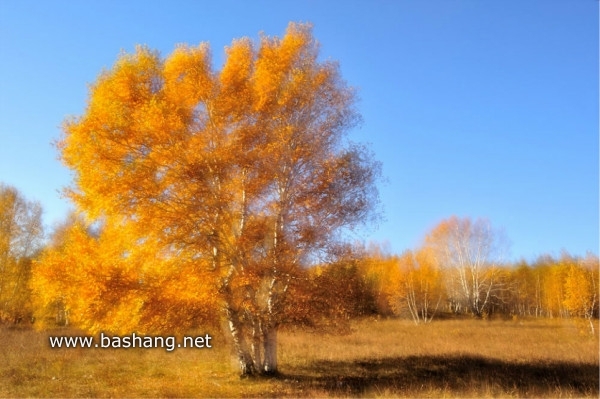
[(387, 358)]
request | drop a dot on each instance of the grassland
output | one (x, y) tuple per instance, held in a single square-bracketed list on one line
[(387, 358)]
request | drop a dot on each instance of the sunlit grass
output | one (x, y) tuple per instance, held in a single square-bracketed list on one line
[(387, 358)]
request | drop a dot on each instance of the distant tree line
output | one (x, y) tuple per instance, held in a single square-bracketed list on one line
[(457, 271), (414, 286)]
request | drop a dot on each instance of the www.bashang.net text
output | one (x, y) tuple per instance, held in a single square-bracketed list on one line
[(130, 341)]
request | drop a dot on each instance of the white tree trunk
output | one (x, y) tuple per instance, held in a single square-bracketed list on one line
[(243, 357), (270, 351)]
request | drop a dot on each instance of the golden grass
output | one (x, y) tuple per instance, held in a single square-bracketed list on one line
[(388, 358)]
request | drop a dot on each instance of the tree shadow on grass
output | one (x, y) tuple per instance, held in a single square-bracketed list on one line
[(455, 375)]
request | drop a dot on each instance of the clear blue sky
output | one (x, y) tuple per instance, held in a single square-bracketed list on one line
[(475, 108)]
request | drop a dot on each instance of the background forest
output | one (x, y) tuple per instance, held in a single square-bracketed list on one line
[(419, 284)]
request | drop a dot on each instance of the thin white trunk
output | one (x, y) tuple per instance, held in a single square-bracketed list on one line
[(243, 357), (256, 344), (270, 351), (235, 329)]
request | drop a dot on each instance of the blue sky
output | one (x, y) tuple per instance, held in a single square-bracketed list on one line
[(475, 108)]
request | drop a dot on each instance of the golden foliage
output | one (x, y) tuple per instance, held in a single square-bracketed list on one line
[(242, 173), (21, 233), (97, 281), (581, 288)]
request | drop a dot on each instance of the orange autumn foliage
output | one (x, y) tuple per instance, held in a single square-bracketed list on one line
[(407, 285), (241, 176), (21, 237), (97, 281)]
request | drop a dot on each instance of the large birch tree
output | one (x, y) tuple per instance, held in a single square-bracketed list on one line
[(245, 172)]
